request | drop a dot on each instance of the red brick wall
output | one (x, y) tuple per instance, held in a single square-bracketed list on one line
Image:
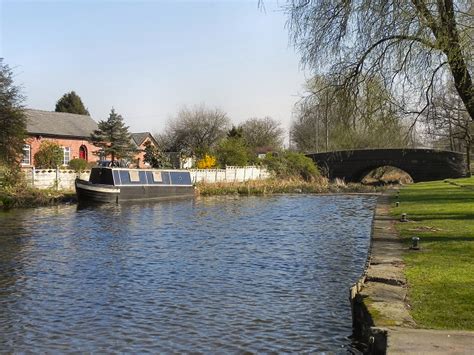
[(73, 144)]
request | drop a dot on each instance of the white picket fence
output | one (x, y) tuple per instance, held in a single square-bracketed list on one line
[(60, 179), (229, 174)]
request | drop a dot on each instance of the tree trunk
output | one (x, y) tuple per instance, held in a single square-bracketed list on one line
[(451, 139), (326, 122), (447, 34), (463, 83), (468, 157), (317, 133)]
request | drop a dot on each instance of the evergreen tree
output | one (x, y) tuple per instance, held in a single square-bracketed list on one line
[(12, 118), (235, 132), (72, 103), (113, 138), (155, 158)]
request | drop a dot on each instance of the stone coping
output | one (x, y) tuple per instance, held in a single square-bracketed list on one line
[(380, 309)]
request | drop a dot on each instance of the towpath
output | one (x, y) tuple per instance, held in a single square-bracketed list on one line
[(385, 296)]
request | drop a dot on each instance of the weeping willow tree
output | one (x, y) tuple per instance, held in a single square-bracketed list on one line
[(410, 44), (448, 125), (332, 119)]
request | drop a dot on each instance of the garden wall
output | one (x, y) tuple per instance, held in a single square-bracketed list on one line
[(53, 178), (229, 174), (64, 179)]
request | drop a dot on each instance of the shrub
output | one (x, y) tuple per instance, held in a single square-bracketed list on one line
[(10, 176), (207, 162), (292, 165), (232, 151), (49, 156), (78, 164)]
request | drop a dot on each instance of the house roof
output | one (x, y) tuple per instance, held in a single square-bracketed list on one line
[(59, 123), (139, 138)]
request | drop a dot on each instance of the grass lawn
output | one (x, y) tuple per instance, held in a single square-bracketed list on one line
[(441, 275)]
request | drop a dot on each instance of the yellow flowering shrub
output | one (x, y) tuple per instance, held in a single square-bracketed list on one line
[(207, 162)]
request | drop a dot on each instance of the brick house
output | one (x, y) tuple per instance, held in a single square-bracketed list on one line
[(140, 139), (72, 132), (69, 130)]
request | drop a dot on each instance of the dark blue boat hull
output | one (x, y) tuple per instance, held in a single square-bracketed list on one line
[(99, 193)]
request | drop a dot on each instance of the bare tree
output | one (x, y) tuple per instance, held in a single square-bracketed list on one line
[(448, 123), (262, 132), (411, 43), (195, 131)]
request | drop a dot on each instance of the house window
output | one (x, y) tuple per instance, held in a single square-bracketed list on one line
[(67, 155), (26, 160)]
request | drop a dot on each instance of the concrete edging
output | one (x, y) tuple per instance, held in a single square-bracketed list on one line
[(378, 298), (380, 311)]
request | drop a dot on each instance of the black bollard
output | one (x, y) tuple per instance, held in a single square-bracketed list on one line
[(415, 243)]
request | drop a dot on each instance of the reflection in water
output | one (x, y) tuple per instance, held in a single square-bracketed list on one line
[(215, 274)]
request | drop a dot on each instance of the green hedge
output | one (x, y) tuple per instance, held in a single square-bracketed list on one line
[(292, 165)]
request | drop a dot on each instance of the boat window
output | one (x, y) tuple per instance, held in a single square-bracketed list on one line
[(149, 177), (166, 177), (116, 177), (142, 175), (124, 177), (134, 176), (157, 176)]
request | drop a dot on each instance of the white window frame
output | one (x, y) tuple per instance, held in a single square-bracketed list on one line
[(66, 155), (26, 160)]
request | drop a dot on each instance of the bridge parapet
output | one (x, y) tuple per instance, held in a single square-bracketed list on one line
[(420, 164)]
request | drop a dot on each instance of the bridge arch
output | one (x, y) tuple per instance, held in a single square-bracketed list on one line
[(390, 174), (420, 164)]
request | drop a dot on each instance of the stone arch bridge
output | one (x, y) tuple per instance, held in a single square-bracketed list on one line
[(420, 164)]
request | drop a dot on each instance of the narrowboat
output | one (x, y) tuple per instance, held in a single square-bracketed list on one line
[(111, 184)]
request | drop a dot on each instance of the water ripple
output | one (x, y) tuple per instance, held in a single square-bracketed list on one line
[(226, 275)]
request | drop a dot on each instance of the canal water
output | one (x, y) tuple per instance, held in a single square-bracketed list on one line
[(227, 275)]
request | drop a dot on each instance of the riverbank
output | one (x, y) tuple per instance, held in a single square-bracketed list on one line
[(440, 275), (22, 197), (403, 289), (276, 186), (378, 297), (30, 197)]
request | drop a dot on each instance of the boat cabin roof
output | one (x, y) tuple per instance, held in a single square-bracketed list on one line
[(129, 177)]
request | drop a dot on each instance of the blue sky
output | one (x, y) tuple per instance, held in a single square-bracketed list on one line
[(149, 58)]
